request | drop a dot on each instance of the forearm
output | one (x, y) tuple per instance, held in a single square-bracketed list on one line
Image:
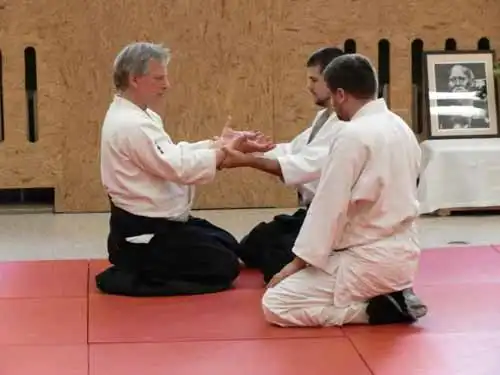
[(199, 145), (299, 263), (271, 166), (220, 155), (184, 163)]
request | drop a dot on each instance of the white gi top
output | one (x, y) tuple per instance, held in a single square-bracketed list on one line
[(300, 161), (366, 201), (143, 171)]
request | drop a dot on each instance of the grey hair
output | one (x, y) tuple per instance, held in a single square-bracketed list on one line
[(133, 59)]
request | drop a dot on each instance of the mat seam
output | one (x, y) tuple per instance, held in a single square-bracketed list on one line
[(215, 340), (495, 248), (359, 354)]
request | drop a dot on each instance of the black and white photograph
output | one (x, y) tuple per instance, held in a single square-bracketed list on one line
[(461, 94)]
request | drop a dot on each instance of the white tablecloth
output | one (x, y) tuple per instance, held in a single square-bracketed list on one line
[(459, 173)]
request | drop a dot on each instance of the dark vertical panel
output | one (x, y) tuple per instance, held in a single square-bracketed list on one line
[(483, 44), (417, 60), (450, 44), (31, 87), (2, 124), (384, 68), (350, 46)]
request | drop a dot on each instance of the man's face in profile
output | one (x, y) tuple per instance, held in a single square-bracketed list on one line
[(151, 87), (460, 79), (317, 86)]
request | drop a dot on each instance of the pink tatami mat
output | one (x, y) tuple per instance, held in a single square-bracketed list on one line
[(54, 321)]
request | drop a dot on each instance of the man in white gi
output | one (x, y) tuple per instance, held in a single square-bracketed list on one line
[(155, 246), (357, 252), (298, 163)]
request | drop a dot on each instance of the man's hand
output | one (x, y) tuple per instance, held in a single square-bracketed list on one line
[(259, 143), (256, 141), (234, 157), (293, 267), (228, 133)]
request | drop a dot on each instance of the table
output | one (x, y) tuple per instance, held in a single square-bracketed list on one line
[(459, 173)]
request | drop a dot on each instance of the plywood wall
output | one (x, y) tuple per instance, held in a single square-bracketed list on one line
[(240, 57)]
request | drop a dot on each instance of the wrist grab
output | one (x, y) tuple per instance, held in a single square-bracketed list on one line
[(222, 159)]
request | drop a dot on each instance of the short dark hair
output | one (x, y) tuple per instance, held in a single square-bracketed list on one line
[(323, 57), (354, 74)]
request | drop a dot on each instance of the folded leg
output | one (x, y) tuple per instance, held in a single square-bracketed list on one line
[(355, 293), (183, 259), (305, 299), (216, 233), (268, 246)]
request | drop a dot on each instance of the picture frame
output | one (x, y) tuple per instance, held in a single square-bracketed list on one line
[(460, 92)]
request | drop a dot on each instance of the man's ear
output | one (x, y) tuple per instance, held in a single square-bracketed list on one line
[(133, 81), (341, 93)]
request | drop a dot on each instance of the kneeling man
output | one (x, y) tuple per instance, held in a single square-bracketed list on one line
[(298, 163), (156, 247), (357, 253)]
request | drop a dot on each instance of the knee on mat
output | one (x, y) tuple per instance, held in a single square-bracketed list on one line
[(281, 310), (115, 281), (272, 308)]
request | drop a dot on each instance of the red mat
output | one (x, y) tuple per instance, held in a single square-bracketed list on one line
[(64, 278), (430, 354), (232, 315), (51, 314), (496, 247), (252, 357), (43, 321), (459, 265), (44, 360), (453, 308)]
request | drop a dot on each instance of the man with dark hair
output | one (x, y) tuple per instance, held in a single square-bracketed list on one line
[(357, 252), (297, 163)]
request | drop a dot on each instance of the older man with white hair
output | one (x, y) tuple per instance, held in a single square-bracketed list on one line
[(155, 245)]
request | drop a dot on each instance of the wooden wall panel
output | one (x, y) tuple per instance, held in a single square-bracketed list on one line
[(221, 65), (301, 28), (23, 24), (304, 27), (240, 57)]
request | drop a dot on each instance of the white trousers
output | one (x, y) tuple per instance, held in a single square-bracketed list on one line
[(305, 299), (312, 297)]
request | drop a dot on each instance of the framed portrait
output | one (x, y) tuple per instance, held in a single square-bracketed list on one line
[(460, 94)]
